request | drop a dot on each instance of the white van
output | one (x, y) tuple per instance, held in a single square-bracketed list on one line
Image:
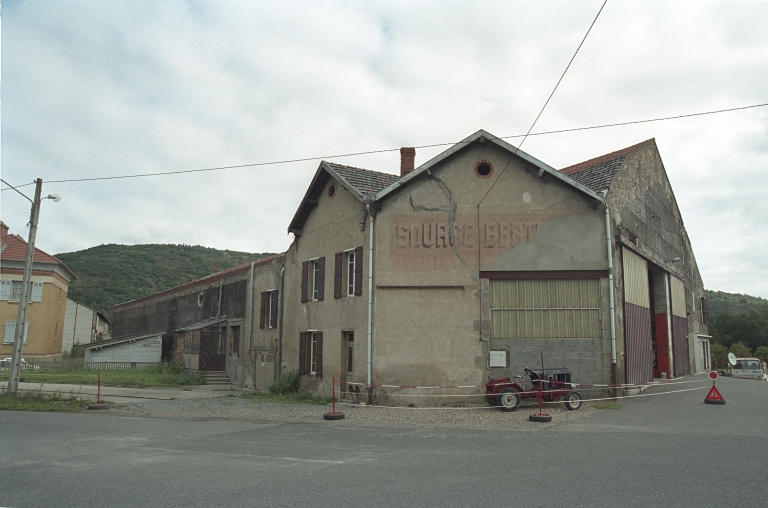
[(749, 368)]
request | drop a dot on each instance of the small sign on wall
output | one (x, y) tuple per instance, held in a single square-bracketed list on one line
[(498, 359)]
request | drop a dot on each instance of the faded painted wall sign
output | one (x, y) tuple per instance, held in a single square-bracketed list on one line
[(419, 236), (436, 235)]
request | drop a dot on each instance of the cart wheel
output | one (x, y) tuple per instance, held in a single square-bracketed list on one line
[(508, 399), (491, 400), (572, 401), (540, 418)]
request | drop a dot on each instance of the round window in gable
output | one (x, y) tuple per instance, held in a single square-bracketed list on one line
[(332, 190), (200, 299), (484, 169)]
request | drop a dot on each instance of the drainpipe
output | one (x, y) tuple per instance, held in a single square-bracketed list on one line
[(614, 369), (280, 322), (218, 308), (250, 313), (368, 199)]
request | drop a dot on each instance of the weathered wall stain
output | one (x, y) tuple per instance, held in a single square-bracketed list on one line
[(451, 210)]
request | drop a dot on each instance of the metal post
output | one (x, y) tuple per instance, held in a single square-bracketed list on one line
[(21, 317)]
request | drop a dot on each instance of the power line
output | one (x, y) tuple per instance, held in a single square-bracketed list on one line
[(370, 152), (517, 148)]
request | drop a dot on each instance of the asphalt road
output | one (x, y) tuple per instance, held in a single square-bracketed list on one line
[(658, 450)]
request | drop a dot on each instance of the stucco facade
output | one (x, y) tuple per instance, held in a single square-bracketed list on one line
[(47, 305)]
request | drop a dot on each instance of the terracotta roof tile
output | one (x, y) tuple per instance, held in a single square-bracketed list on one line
[(16, 248), (364, 180), (597, 173)]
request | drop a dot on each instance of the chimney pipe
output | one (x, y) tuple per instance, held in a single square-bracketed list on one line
[(407, 157)]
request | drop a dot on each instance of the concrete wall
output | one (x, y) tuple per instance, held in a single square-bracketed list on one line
[(243, 365), (645, 218), (428, 324)]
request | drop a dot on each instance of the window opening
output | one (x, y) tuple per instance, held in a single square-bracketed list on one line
[(315, 279), (351, 260), (483, 169)]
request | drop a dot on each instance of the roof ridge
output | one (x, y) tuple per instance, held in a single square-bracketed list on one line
[(581, 166)]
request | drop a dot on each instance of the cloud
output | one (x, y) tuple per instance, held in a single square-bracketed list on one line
[(95, 89)]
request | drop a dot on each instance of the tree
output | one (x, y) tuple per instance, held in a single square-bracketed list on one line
[(762, 352), (719, 355), (740, 350)]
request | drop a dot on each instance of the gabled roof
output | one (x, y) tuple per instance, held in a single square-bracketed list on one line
[(16, 248), (482, 136), (361, 181), (357, 181), (597, 173)]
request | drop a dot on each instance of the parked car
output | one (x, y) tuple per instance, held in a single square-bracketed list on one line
[(5, 364)]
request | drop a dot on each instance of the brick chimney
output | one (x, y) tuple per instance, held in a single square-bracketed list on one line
[(3, 233), (407, 157)]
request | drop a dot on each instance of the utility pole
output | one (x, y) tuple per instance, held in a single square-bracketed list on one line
[(21, 317)]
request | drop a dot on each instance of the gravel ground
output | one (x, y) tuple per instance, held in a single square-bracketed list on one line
[(251, 409)]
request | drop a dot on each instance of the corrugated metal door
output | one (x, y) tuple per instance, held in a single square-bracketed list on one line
[(545, 308), (637, 319), (679, 328)]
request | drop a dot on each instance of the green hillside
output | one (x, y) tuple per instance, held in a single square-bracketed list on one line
[(112, 274), (720, 303)]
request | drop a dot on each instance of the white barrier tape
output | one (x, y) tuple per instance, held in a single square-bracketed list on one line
[(526, 380), (527, 405)]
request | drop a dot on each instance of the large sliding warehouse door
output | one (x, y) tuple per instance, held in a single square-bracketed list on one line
[(637, 319), (679, 328)]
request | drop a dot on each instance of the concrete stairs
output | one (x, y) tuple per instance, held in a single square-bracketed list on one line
[(217, 377)]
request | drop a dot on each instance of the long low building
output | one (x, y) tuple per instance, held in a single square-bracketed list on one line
[(480, 262)]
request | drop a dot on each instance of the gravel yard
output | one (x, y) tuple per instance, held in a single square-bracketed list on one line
[(243, 408)]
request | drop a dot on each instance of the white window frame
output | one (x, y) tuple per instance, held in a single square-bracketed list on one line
[(10, 331), (315, 266), (272, 295), (16, 288), (312, 346), (350, 263)]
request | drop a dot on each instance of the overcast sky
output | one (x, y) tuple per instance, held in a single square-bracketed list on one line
[(109, 88)]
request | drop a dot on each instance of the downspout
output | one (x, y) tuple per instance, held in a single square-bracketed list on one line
[(368, 199), (250, 313), (249, 310), (218, 305), (612, 298), (280, 322)]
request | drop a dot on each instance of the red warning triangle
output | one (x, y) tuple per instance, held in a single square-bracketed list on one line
[(714, 396)]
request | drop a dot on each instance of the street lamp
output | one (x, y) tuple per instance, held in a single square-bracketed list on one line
[(21, 317)]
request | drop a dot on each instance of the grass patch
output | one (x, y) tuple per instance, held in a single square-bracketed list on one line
[(606, 405), (35, 401), (288, 398), (165, 374)]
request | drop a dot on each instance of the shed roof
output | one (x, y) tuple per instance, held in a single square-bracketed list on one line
[(120, 340), (203, 324)]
